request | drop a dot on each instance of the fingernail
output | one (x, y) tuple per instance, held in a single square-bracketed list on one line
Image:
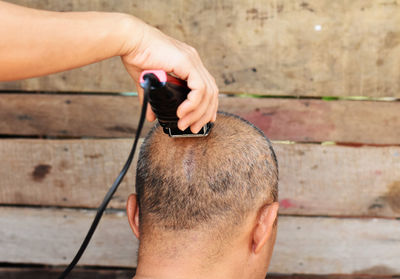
[(182, 127), (195, 131)]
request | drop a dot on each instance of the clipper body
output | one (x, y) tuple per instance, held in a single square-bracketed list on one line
[(166, 93)]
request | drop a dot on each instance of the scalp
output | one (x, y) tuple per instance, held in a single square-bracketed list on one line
[(188, 183)]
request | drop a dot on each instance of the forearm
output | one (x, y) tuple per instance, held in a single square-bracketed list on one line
[(35, 42)]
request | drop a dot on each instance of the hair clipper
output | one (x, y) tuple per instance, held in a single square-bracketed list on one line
[(166, 93)]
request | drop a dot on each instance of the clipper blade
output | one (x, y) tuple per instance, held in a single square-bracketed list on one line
[(176, 133)]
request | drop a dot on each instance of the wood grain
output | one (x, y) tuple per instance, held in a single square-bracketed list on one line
[(338, 180), (317, 120), (340, 246), (53, 236), (70, 115), (119, 273), (74, 115), (77, 273), (314, 179), (75, 173), (304, 245), (283, 47)]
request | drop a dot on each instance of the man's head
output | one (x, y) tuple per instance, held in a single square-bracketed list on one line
[(213, 197)]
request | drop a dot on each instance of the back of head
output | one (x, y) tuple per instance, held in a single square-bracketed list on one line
[(204, 184)]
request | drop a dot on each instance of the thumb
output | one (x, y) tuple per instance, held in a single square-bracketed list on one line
[(150, 116)]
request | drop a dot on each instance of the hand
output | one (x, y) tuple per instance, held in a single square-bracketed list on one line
[(155, 50)]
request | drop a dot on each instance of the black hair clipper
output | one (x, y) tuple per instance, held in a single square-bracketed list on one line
[(166, 93)]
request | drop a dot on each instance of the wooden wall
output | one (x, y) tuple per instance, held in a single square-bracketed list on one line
[(321, 78)]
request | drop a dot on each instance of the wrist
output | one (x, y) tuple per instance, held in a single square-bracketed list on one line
[(130, 32)]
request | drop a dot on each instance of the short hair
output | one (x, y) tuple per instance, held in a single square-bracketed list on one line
[(207, 182)]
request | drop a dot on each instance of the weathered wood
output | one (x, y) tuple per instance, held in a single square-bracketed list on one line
[(74, 173), (331, 276), (284, 47), (337, 246), (314, 179), (77, 273), (304, 245), (70, 115), (73, 115), (318, 120), (53, 236), (100, 273), (339, 181)]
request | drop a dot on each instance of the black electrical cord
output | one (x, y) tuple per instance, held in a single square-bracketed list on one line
[(114, 187)]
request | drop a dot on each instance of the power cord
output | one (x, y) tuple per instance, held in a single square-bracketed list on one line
[(114, 187)]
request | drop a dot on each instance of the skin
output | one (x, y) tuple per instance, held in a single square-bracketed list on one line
[(192, 255), (37, 43)]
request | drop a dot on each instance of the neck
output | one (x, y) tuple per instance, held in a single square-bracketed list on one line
[(190, 265)]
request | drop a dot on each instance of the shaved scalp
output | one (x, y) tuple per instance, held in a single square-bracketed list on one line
[(208, 183)]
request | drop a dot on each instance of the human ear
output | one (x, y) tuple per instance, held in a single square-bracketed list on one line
[(132, 210), (264, 228)]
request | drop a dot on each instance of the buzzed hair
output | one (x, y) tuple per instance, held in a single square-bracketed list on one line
[(207, 182)]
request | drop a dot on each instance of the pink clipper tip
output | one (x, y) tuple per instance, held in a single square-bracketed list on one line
[(160, 74)]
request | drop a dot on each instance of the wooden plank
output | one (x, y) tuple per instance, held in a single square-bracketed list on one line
[(53, 236), (75, 173), (331, 246), (77, 273), (74, 115), (101, 273), (331, 276), (317, 120), (304, 245), (70, 115), (283, 47), (314, 179), (338, 180)]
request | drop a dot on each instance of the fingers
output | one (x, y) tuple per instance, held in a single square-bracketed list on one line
[(202, 102), (201, 114), (198, 86), (200, 111), (208, 116), (215, 109), (150, 115), (194, 116)]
